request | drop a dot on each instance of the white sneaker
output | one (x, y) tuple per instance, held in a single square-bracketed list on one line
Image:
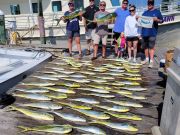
[(134, 60), (145, 61), (129, 59), (150, 64)]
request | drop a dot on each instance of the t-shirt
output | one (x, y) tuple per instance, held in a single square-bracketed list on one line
[(102, 27), (89, 15), (73, 24), (152, 31), (120, 19)]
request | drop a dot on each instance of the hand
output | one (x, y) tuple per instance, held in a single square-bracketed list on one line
[(137, 17), (155, 19), (62, 18), (80, 13)]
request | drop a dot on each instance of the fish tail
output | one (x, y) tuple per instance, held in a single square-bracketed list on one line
[(23, 129)]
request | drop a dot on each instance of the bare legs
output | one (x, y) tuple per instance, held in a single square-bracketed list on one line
[(77, 40), (134, 43)]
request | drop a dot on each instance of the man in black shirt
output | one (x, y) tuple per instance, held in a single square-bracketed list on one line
[(89, 25)]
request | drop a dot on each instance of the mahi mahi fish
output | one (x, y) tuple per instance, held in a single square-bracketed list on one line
[(70, 117), (99, 95), (32, 96), (56, 95), (114, 108), (94, 114), (117, 126), (95, 90), (45, 77), (125, 103), (91, 129), (86, 100), (43, 105), (35, 90), (76, 106), (62, 90), (34, 114), (125, 116), (59, 129), (38, 84)]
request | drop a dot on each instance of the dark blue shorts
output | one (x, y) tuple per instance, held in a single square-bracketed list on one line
[(72, 34), (148, 42), (121, 49)]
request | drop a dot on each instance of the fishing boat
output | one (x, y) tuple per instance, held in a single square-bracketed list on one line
[(18, 64), (22, 15)]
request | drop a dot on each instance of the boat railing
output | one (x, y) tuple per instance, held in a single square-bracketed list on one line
[(28, 21)]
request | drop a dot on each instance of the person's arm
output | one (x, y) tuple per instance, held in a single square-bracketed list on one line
[(126, 27), (159, 18)]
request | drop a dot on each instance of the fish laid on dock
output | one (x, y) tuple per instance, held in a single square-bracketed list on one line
[(43, 105), (33, 96), (86, 100), (91, 129), (76, 106), (114, 108), (33, 90), (38, 84), (70, 117), (34, 114), (59, 129), (117, 126), (61, 90)]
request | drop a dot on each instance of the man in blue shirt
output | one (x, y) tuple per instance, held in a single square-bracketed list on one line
[(149, 34), (73, 29), (121, 14)]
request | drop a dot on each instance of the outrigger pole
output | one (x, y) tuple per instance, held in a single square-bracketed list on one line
[(41, 23)]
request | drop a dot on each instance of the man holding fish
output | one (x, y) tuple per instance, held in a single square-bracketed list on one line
[(101, 30)]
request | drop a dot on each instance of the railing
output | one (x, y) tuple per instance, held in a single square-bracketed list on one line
[(27, 21)]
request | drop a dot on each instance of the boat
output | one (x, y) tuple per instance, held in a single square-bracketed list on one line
[(16, 65), (22, 16)]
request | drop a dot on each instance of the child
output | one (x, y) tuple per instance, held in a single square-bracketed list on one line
[(121, 45)]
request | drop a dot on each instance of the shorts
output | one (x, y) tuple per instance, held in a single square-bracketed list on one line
[(116, 35), (90, 34), (97, 39), (148, 42), (121, 49), (135, 38), (72, 34)]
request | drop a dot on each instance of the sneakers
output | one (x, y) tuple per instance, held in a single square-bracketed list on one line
[(150, 64), (145, 61), (70, 54), (134, 60), (129, 59), (93, 58), (88, 52), (80, 56)]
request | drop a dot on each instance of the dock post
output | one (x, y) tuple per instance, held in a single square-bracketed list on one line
[(41, 23)]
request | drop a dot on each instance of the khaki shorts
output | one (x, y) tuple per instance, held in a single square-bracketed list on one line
[(97, 39), (90, 34)]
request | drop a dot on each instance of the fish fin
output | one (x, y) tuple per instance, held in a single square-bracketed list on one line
[(24, 129)]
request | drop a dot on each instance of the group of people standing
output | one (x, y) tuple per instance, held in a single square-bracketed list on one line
[(126, 30)]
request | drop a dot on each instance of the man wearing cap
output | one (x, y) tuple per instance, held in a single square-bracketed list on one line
[(149, 34), (73, 29), (90, 26), (101, 30), (121, 14)]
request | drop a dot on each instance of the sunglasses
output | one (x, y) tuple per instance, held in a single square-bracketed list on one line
[(91, 0), (150, 3), (71, 5), (102, 5), (131, 10), (125, 3)]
